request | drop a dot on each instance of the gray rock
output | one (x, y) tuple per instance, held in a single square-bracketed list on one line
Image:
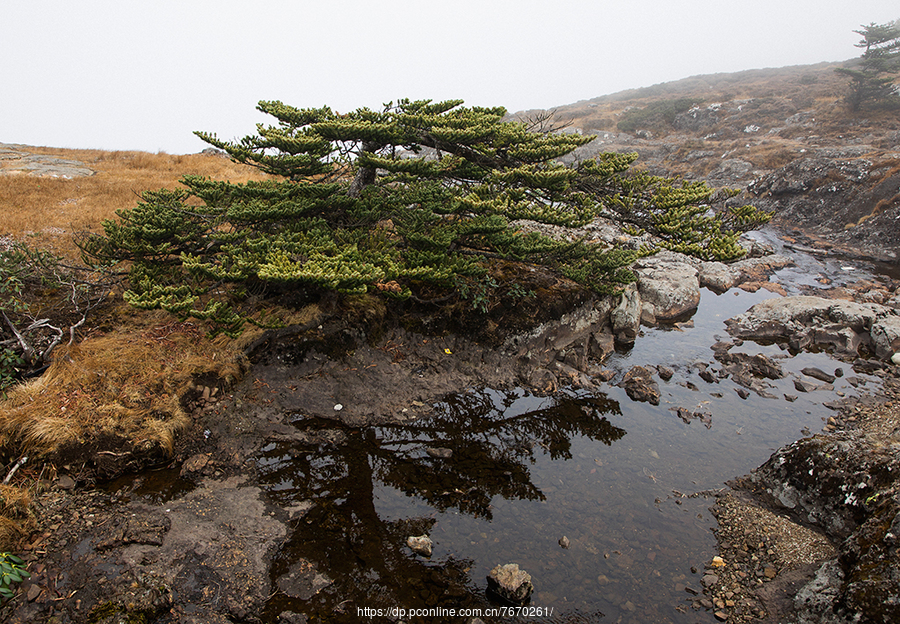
[(717, 276), (625, 318), (421, 545), (885, 334), (670, 284), (805, 320), (302, 581), (814, 603), (510, 583)]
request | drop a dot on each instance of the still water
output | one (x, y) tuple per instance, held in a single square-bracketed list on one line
[(501, 476)]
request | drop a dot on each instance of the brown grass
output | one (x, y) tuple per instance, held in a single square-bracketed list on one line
[(16, 517), (47, 210), (129, 383)]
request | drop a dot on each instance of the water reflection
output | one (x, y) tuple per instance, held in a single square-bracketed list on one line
[(477, 449)]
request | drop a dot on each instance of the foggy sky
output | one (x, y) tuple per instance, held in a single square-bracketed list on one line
[(143, 75)]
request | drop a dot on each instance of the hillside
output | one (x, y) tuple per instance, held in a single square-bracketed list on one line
[(784, 134)]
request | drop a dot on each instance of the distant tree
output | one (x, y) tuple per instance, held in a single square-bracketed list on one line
[(872, 79), (417, 195)]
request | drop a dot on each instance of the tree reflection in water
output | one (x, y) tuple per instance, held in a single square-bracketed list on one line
[(476, 446)]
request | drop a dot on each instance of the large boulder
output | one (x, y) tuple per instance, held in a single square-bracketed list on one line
[(670, 284)]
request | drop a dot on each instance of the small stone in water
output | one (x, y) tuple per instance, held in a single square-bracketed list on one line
[(510, 583), (564, 541), (338, 407), (421, 545)]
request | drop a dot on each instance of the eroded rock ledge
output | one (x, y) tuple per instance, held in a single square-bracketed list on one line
[(805, 321)]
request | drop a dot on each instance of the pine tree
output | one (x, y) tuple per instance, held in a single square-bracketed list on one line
[(872, 80), (418, 194)]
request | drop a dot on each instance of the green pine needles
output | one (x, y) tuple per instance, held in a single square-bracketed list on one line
[(419, 194)]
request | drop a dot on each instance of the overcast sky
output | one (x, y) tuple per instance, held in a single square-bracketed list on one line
[(144, 74)]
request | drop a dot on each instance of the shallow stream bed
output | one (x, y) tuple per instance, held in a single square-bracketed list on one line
[(602, 500)]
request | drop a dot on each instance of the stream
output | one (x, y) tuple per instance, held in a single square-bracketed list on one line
[(602, 500)]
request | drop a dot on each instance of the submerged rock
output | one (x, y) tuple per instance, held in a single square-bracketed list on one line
[(510, 583), (640, 385)]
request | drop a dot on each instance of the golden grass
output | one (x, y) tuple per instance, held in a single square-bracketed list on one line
[(16, 518), (47, 210), (129, 383)]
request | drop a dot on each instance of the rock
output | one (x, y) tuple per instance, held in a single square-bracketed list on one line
[(717, 276), (665, 373), (669, 283), (885, 334), (815, 601), (34, 590), (194, 464), (564, 541), (66, 482), (640, 385), (709, 580), (510, 583), (439, 453), (421, 545), (600, 345), (758, 364), (895, 359), (804, 320), (805, 386), (817, 373), (543, 380), (302, 581), (625, 318)]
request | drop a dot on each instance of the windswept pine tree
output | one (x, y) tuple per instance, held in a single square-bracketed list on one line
[(418, 194), (872, 78)]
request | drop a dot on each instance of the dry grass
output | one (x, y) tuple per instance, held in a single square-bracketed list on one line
[(16, 518), (49, 210), (129, 383)]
